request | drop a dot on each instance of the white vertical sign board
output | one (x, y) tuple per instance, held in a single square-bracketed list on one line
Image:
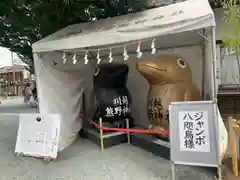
[(38, 135), (194, 134), (193, 131)]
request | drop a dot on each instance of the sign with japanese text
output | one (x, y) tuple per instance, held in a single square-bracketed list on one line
[(121, 107), (193, 131), (194, 134), (155, 109), (38, 135), (156, 113)]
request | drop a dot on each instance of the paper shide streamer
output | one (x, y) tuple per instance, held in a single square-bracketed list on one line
[(110, 55), (64, 58), (125, 54), (98, 57), (74, 59), (139, 53), (86, 57), (153, 47)]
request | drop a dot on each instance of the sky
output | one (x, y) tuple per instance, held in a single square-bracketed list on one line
[(5, 57)]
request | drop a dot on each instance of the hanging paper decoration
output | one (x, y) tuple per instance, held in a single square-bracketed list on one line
[(86, 58), (64, 58), (98, 57), (125, 55), (74, 59), (153, 47), (139, 53), (110, 56)]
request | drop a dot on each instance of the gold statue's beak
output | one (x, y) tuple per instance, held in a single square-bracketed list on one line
[(154, 72), (146, 67)]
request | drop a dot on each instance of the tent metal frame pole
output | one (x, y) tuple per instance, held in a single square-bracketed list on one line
[(214, 97), (214, 60), (203, 35), (203, 67)]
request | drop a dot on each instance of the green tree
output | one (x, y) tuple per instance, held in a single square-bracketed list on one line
[(23, 22), (231, 30)]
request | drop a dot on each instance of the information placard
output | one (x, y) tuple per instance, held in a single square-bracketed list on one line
[(193, 133), (38, 135)]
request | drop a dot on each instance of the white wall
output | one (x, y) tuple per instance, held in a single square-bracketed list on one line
[(26, 74)]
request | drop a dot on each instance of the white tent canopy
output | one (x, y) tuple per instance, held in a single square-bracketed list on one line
[(171, 19), (176, 28)]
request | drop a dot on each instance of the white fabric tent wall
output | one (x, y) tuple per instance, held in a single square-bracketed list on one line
[(61, 85), (61, 92)]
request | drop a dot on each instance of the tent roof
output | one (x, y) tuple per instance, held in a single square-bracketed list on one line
[(175, 18)]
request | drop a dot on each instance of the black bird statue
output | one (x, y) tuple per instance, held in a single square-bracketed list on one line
[(111, 99)]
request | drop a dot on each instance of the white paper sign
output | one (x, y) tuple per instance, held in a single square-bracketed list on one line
[(38, 135), (193, 131)]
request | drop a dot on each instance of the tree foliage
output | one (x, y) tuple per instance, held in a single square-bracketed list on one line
[(231, 30), (23, 22), (231, 33)]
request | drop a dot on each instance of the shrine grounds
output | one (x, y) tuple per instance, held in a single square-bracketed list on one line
[(83, 160)]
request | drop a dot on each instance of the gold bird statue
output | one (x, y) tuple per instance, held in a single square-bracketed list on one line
[(170, 79)]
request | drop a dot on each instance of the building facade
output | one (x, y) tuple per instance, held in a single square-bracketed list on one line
[(12, 79)]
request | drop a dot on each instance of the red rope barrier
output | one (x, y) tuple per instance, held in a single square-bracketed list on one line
[(145, 131)]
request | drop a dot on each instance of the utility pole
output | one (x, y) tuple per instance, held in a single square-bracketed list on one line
[(14, 75)]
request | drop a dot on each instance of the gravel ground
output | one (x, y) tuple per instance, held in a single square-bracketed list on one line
[(83, 160)]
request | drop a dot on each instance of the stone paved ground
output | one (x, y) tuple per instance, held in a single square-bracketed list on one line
[(84, 161), (16, 105)]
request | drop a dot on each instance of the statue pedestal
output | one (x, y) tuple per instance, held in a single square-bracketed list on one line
[(151, 144), (110, 138), (107, 139)]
